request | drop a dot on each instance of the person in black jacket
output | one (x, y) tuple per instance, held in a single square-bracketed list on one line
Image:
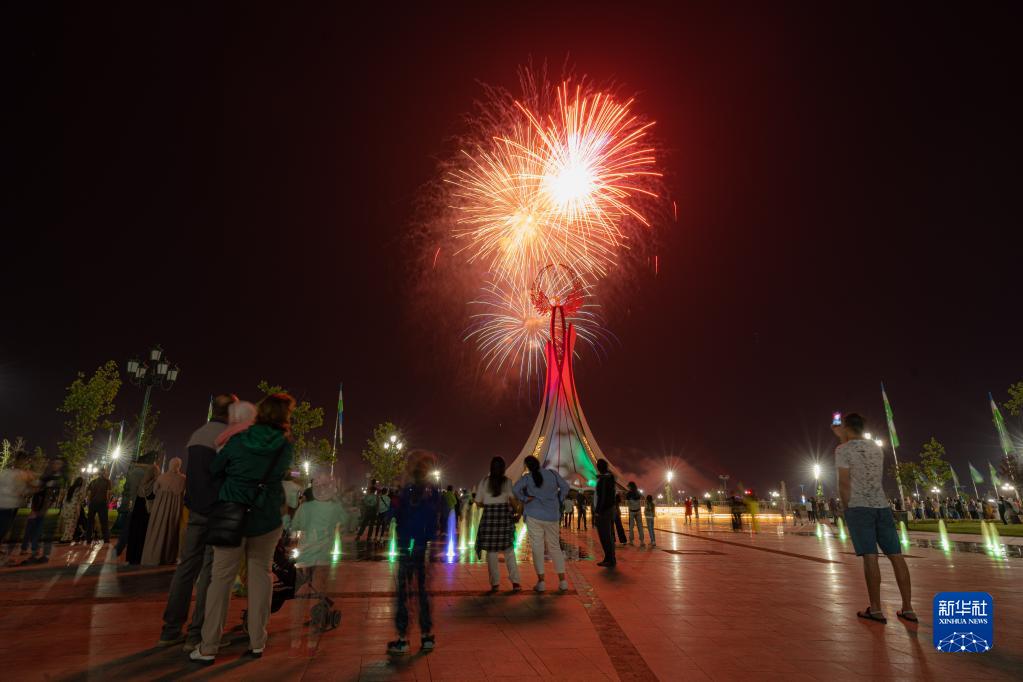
[(605, 511), (619, 528), (196, 562)]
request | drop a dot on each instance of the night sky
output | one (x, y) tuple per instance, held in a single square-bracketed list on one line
[(238, 185)]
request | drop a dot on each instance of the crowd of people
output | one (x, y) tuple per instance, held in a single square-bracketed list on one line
[(149, 510), (957, 508), (236, 517)]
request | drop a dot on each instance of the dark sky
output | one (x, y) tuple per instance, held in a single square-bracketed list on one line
[(237, 184)]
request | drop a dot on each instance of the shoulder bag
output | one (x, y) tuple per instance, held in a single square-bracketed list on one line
[(226, 522)]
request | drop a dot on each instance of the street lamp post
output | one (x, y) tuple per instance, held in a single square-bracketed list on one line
[(156, 370), (667, 487), (817, 477), (393, 442)]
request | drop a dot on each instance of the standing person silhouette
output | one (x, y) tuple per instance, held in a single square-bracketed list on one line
[(582, 505), (635, 505), (496, 532), (605, 510), (416, 510), (860, 464), (542, 490)]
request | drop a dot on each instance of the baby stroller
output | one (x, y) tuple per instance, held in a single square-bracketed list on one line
[(284, 578), (324, 615)]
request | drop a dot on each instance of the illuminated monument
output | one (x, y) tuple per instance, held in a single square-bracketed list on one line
[(561, 439)]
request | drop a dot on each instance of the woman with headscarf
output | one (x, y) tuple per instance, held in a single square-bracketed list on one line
[(71, 511), (163, 531), (240, 416), (144, 495)]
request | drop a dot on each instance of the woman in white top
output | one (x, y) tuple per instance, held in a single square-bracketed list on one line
[(496, 531)]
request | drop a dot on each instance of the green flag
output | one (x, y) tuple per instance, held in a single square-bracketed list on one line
[(994, 476), (1003, 433), (892, 435), (955, 479), (976, 475)]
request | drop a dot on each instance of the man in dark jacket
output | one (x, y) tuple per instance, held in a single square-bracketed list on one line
[(605, 511), (194, 568)]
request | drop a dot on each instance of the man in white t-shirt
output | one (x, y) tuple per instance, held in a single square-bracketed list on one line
[(860, 465)]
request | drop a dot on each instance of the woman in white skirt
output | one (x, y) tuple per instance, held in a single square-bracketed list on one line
[(496, 533)]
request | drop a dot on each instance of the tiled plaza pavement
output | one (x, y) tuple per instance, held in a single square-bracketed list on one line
[(707, 603)]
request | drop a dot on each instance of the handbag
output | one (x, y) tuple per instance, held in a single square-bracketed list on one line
[(226, 522)]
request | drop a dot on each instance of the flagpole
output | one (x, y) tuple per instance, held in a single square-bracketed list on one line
[(894, 439), (898, 479), (337, 424)]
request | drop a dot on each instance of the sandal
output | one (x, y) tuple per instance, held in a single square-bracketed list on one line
[(908, 614), (867, 614)]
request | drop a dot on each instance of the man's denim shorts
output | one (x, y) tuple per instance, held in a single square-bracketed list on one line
[(870, 527)]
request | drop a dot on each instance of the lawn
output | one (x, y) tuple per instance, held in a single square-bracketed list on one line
[(969, 527)]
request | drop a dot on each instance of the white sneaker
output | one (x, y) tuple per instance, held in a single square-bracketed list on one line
[(197, 656), (540, 587), (563, 586)]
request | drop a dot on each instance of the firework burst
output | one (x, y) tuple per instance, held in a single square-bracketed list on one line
[(555, 187), (556, 179)]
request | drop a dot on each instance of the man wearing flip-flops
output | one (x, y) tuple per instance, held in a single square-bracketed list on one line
[(860, 463)]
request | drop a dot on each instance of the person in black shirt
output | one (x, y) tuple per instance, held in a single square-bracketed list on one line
[(605, 511), (196, 561)]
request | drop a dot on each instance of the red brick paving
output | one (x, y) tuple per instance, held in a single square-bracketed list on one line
[(706, 604)]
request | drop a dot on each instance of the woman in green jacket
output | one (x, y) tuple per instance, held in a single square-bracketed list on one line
[(262, 450)]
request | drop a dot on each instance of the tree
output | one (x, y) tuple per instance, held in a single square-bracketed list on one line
[(1015, 403), (934, 469), (907, 474), (304, 419), (5, 453), (386, 453), (88, 402)]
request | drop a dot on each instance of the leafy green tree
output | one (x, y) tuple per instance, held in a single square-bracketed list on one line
[(304, 419), (907, 474), (386, 453), (88, 402), (1015, 403), (934, 469)]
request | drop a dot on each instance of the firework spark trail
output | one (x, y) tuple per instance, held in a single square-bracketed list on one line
[(509, 330)]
